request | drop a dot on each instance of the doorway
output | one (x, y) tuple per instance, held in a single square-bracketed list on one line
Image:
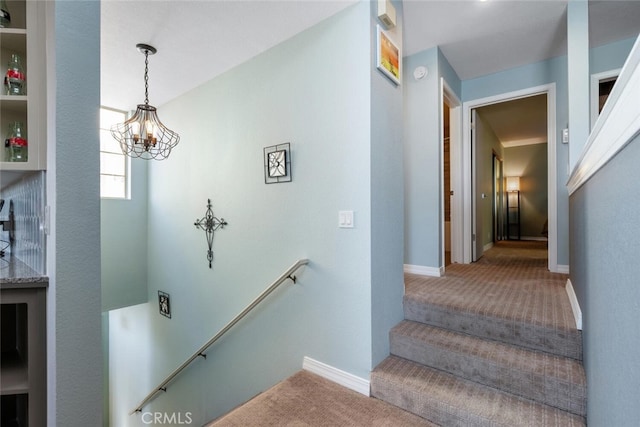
[(446, 181), (450, 177), (480, 231)]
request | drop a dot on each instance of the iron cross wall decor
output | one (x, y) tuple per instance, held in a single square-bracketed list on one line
[(209, 224)]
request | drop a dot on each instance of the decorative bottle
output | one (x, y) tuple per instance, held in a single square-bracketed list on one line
[(5, 17), (14, 79), (16, 143)]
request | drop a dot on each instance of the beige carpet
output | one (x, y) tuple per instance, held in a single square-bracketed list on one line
[(305, 399), (513, 292), (489, 344)]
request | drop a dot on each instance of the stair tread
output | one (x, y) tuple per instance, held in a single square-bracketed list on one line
[(449, 400), (530, 312), (499, 353), (550, 379)]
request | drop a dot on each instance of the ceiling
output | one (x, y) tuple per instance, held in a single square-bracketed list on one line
[(518, 122), (200, 39)]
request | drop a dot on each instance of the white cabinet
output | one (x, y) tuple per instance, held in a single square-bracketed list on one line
[(23, 355), (26, 38)]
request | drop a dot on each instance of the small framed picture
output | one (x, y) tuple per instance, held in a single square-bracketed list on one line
[(164, 304), (389, 57), (277, 164)]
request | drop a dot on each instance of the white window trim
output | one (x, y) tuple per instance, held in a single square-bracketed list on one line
[(127, 170)]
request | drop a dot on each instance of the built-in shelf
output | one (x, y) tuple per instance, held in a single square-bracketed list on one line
[(23, 356), (14, 374), (14, 410), (17, 103), (25, 37)]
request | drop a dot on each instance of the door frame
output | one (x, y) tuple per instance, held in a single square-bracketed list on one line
[(466, 176), (455, 146), (498, 198)]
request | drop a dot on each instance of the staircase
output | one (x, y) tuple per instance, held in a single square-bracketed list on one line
[(492, 344)]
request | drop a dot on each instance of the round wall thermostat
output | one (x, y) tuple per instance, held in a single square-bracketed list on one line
[(420, 72)]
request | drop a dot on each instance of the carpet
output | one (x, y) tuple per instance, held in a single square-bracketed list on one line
[(508, 295), (492, 343), (306, 399)]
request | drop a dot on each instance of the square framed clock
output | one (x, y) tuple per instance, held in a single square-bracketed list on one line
[(277, 163)]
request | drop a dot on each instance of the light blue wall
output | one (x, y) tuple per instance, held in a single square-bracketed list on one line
[(605, 241), (387, 202), (313, 91), (422, 161), (123, 232), (74, 320), (578, 82), (450, 76), (610, 56)]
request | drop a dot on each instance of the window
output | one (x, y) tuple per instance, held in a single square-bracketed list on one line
[(605, 87), (601, 86), (114, 166)]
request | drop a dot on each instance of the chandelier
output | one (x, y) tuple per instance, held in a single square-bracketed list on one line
[(143, 135)]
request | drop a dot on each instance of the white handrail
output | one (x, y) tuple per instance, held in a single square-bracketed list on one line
[(200, 352)]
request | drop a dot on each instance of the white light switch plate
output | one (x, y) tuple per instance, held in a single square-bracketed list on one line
[(345, 219)]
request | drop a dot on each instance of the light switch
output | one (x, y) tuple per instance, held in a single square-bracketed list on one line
[(345, 219)]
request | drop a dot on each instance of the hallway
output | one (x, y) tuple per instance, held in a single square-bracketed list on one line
[(490, 343)]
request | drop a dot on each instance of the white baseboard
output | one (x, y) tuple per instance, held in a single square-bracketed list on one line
[(423, 270), (487, 247), (575, 306), (336, 375), (534, 238), (564, 269)]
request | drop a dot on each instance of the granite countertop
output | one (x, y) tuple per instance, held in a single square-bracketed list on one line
[(15, 273)]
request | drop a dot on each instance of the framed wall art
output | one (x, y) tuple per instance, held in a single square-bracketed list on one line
[(389, 57), (277, 164), (164, 304)]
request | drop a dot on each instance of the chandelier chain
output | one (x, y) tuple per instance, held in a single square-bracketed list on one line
[(146, 77)]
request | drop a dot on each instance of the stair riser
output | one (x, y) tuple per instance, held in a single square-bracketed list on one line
[(502, 330), (450, 401), (534, 386)]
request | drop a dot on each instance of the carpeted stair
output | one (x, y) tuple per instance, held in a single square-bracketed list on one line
[(478, 348)]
